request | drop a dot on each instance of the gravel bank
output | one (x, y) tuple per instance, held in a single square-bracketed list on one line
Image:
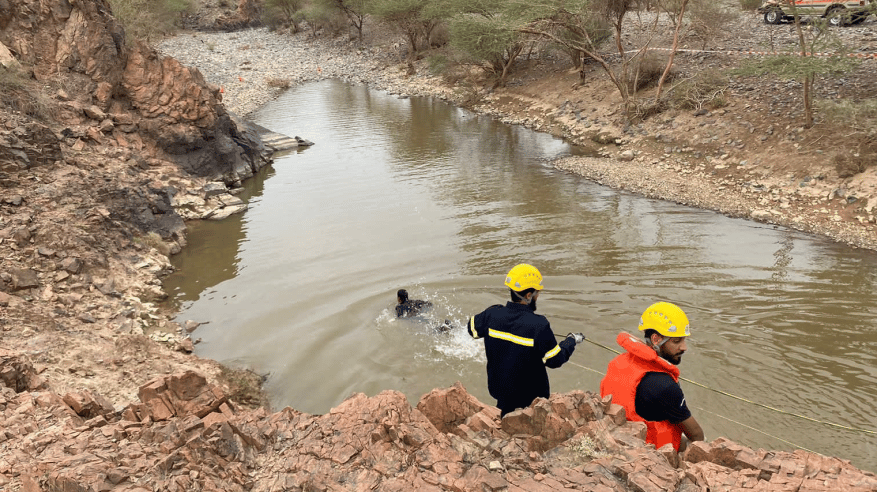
[(245, 64)]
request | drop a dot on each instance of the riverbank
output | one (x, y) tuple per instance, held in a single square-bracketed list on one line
[(98, 386), (735, 160)]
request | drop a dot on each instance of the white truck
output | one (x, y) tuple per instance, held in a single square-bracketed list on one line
[(838, 12)]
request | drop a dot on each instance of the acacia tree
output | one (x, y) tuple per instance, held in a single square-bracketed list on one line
[(416, 19), (806, 64), (577, 26), (317, 15), (484, 31), (582, 25), (288, 10), (354, 10)]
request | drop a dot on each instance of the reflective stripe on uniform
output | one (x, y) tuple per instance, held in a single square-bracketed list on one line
[(551, 353), (527, 342), (472, 328)]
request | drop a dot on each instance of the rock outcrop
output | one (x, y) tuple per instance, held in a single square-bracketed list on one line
[(248, 14), (116, 92), (185, 434), (25, 143)]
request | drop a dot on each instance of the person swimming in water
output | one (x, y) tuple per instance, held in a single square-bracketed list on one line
[(406, 308), (409, 308)]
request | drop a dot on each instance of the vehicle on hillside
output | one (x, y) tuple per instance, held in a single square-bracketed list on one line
[(837, 12)]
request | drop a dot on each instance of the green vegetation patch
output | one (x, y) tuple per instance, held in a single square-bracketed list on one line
[(149, 19)]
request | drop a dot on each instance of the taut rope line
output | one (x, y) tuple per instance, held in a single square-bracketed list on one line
[(717, 415), (784, 412)]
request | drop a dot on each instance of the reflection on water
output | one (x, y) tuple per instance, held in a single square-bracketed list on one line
[(412, 193)]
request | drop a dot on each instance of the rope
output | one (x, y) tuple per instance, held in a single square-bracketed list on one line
[(762, 405), (759, 431), (717, 415), (770, 53)]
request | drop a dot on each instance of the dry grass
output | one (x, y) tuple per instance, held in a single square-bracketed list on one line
[(649, 72), (153, 240), (19, 92), (279, 83), (860, 117), (245, 387), (704, 90), (586, 449)]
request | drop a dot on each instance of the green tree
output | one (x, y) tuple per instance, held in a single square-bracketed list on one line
[(354, 10), (485, 32), (318, 16), (571, 24), (284, 11), (581, 26), (416, 19), (806, 65)]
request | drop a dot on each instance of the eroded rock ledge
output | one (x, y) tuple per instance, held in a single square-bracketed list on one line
[(184, 434)]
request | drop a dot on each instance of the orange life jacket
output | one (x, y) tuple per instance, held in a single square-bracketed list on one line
[(623, 377)]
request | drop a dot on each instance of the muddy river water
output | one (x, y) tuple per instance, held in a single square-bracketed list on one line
[(413, 193)]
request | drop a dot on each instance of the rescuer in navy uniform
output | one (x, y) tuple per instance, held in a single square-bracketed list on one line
[(519, 343)]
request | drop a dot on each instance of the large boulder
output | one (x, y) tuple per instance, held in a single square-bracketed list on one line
[(26, 143), (178, 395), (17, 373), (448, 408)]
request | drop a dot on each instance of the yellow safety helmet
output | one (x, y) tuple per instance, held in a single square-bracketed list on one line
[(665, 318), (523, 277)]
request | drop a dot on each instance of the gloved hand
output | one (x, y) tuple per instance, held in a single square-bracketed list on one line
[(578, 337)]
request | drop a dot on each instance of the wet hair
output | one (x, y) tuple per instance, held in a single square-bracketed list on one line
[(402, 295), (519, 296)]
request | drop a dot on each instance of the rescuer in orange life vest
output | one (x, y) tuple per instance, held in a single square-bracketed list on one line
[(645, 380), (519, 343)]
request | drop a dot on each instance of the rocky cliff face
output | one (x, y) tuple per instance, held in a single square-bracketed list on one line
[(113, 92), (105, 148), (184, 435)]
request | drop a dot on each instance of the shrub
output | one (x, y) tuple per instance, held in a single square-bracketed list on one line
[(861, 117), (282, 13), (12, 78), (708, 20), (279, 83), (244, 386), (19, 92), (153, 240), (861, 113), (750, 5), (706, 89), (848, 166), (440, 36), (649, 71), (437, 63), (144, 19)]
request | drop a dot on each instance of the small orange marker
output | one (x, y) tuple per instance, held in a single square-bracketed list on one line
[(222, 90), (241, 79)]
